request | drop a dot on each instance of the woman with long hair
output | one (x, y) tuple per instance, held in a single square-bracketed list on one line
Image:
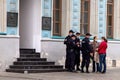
[(102, 55)]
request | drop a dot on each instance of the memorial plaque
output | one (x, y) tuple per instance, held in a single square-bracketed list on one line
[(46, 23), (12, 19)]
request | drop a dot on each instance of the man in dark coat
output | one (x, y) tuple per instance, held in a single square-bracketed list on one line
[(77, 51), (67, 43), (71, 56), (86, 50)]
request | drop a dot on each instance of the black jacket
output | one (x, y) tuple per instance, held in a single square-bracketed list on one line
[(86, 47), (67, 41), (78, 45)]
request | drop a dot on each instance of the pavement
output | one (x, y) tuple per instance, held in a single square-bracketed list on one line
[(113, 73)]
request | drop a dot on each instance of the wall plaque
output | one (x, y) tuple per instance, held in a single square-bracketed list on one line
[(12, 19), (46, 23)]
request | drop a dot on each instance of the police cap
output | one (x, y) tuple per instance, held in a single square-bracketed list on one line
[(73, 36), (71, 31), (77, 33), (88, 34)]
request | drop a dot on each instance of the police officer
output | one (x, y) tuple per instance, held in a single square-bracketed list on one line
[(71, 57), (86, 50), (67, 43), (77, 51)]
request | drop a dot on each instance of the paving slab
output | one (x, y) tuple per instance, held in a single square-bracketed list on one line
[(113, 73)]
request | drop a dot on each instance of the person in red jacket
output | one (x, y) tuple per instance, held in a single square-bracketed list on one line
[(102, 55)]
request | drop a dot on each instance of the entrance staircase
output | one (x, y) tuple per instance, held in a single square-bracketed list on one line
[(30, 62)]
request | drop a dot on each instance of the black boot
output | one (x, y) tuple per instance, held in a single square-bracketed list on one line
[(78, 69), (82, 70), (87, 71)]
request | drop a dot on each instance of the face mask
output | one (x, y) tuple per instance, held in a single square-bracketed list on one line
[(78, 36), (70, 34)]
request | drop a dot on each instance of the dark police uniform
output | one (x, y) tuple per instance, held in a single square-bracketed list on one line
[(86, 50), (71, 56), (77, 53), (66, 41)]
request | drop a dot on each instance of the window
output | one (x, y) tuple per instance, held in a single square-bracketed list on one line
[(85, 16), (110, 16), (57, 8)]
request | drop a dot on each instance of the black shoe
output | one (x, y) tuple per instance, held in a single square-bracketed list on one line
[(87, 72), (78, 69), (103, 72), (68, 70), (97, 71), (82, 71), (72, 71), (93, 71)]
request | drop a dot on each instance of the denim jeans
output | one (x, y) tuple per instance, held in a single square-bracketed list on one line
[(102, 58)]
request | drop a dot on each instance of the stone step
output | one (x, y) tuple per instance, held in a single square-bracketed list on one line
[(27, 50), (36, 67), (34, 70), (36, 55), (31, 59), (33, 63)]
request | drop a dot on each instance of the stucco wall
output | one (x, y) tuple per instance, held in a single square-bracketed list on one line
[(9, 51), (54, 50)]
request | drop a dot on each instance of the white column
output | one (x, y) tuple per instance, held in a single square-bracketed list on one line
[(3, 16), (94, 17), (117, 19), (30, 24), (65, 17)]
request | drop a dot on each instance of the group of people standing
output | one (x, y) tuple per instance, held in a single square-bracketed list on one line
[(90, 51)]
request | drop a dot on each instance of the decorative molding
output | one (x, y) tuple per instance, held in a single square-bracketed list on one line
[(10, 36), (47, 11), (75, 15), (102, 8), (47, 8)]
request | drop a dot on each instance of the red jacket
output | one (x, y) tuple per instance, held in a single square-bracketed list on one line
[(102, 47)]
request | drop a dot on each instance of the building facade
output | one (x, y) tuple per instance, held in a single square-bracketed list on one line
[(43, 24), (95, 16)]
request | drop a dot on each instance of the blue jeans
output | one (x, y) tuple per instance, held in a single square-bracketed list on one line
[(102, 58)]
